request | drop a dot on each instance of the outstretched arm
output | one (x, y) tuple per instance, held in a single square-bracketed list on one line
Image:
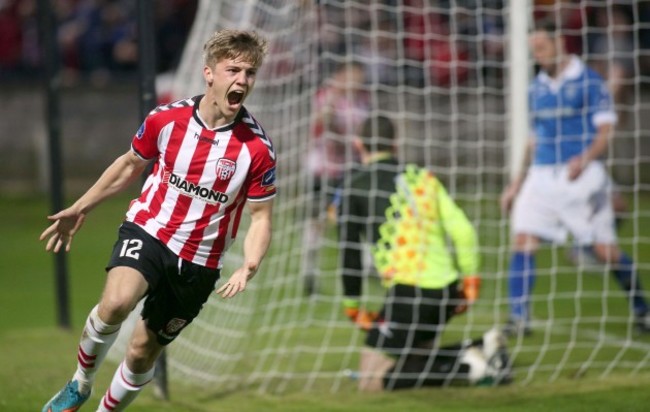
[(119, 175), (256, 244)]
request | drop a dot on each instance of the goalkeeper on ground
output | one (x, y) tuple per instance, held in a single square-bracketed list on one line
[(408, 218)]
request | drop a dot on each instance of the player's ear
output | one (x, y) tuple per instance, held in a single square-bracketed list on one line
[(207, 75)]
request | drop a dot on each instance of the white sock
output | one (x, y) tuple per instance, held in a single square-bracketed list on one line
[(96, 339), (477, 363), (124, 388)]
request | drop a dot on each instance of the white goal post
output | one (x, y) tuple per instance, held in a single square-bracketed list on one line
[(456, 85)]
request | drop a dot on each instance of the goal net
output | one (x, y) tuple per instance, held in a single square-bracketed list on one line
[(442, 71)]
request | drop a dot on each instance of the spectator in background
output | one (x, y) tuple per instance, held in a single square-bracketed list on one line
[(570, 17), (10, 36), (566, 188), (613, 56), (173, 23), (429, 46), (378, 50), (97, 38), (339, 106), (19, 51), (407, 216)]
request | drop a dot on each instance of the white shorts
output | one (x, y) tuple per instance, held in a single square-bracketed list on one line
[(550, 206)]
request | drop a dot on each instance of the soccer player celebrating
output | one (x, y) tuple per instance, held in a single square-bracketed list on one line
[(211, 157), (566, 189)]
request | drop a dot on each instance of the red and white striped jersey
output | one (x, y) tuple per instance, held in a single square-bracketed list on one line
[(194, 197)]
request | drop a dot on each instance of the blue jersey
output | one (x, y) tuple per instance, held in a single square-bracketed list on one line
[(566, 112)]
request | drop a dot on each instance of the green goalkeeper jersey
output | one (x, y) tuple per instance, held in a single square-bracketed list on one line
[(419, 235), (426, 239)]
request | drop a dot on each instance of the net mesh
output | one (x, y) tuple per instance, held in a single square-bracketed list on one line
[(439, 69)]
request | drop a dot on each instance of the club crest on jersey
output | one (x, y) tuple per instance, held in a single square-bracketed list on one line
[(225, 168)]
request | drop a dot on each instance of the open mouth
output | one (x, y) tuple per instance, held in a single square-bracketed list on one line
[(235, 97)]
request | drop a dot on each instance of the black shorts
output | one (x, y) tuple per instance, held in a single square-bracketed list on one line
[(412, 317), (177, 288)]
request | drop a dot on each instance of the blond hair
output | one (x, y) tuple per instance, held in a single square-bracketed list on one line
[(234, 44)]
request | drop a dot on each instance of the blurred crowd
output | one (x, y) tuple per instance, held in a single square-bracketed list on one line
[(409, 42), (455, 42), (97, 38)]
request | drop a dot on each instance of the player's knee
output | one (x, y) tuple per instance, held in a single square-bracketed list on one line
[(114, 309), (139, 360), (141, 356), (525, 243), (607, 253)]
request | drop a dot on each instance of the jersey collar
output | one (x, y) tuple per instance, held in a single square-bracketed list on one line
[(226, 127), (572, 71)]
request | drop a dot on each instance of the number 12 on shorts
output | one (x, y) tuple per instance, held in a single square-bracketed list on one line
[(130, 248)]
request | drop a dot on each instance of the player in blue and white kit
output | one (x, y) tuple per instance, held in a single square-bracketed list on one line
[(566, 189)]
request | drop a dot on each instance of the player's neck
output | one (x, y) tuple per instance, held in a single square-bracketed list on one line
[(211, 114), (556, 70)]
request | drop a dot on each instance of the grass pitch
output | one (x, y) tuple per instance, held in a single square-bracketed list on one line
[(36, 357)]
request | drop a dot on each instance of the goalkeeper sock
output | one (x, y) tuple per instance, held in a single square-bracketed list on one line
[(125, 387), (475, 360), (629, 281), (96, 339), (520, 285)]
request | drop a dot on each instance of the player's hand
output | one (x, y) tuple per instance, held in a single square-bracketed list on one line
[(66, 224), (469, 293), (576, 165), (361, 317), (508, 197), (238, 281)]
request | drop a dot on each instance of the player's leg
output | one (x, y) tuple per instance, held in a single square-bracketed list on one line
[(167, 311), (521, 281), (135, 253), (600, 230), (534, 217), (373, 366), (626, 275), (135, 371), (412, 318), (124, 287)]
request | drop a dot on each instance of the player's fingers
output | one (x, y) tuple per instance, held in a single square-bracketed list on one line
[(51, 242), (226, 290), (68, 243), (237, 288), (57, 247), (47, 232)]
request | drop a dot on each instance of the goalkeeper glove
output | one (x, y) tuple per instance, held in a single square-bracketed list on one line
[(469, 293), (361, 317)]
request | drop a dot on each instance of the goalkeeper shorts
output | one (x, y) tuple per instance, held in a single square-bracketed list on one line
[(177, 288), (412, 317)]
